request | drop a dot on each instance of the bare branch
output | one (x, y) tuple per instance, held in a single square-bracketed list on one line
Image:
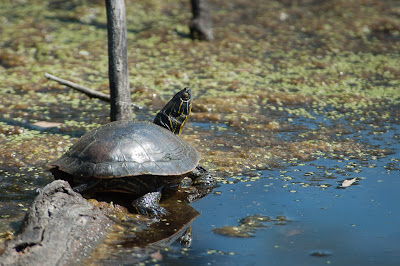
[(89, 92)]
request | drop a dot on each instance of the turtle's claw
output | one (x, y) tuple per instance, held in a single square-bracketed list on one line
[(202, 177), (157, 212)]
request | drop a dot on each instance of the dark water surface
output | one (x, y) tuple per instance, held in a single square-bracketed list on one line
[(358, 225)]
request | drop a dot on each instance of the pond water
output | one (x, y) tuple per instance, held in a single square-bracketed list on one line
[(357, 225), (291, 99), (324, 223)]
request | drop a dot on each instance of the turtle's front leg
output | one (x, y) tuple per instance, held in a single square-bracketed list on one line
[(201, 177), (149, 204)]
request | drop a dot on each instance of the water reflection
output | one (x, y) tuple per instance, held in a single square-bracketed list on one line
[(137, 238)]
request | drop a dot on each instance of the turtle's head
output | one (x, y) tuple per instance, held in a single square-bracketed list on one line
[(175, 113)]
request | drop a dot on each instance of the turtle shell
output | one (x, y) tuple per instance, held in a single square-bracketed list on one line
[(126, 148)]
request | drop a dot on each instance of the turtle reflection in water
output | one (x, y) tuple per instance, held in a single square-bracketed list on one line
[(139, 158)]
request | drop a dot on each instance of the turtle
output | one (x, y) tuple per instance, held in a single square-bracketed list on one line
[(138, 158)]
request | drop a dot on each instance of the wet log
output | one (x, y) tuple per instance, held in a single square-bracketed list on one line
[(201, 24), (59, 229), (63, 228)]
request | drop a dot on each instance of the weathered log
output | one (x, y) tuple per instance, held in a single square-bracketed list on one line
[(60, 228), (201, 24), (63, 228)]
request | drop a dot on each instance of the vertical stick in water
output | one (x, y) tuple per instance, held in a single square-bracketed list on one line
[(121, 108)]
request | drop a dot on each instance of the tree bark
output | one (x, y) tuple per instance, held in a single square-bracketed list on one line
[(118, 61), (201, 23)]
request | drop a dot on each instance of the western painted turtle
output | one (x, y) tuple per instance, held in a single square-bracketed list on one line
[(139, 158)]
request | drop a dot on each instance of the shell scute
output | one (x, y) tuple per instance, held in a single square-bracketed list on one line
[(126, 148)]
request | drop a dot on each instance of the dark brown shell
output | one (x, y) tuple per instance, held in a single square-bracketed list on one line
[(126, 148)]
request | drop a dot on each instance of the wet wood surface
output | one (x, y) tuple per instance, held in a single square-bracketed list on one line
[(63, 228), (59, 228)]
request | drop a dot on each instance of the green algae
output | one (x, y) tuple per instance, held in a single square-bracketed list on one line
[(248, 225)]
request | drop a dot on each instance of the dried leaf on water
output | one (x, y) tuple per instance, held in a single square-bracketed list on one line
[(45, 124), (348, 182)]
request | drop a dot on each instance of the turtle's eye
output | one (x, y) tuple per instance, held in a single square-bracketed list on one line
[(185, 96)]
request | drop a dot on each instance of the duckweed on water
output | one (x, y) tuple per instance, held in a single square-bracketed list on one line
[(248, 225)]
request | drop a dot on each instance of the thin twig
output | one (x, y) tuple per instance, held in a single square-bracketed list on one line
[(89, 92)]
